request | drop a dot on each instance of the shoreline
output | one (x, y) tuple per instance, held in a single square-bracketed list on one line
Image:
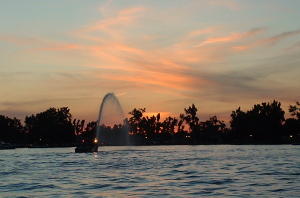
[(148, 145)]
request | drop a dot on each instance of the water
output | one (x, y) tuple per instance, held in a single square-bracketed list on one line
[(152, 171), (110, 114)]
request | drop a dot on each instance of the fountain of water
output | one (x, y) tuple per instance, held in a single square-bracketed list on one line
[(111, 115), (111, 127)]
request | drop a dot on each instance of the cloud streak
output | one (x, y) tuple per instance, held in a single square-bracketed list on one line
[(268, 41), (232, 37), (133, 51), (170, 67)]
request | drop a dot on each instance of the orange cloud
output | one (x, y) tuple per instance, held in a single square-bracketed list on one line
[(231, 38), (122, 18), (166, 68), (170, 81), (240, 47), (199, 32), (172, 66)]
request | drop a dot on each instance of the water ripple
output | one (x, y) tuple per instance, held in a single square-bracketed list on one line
[(152, 171)]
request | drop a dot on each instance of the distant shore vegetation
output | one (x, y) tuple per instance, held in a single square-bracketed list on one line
[(264, 123)]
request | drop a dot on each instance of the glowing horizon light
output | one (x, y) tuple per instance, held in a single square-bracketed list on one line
[(95, 140)]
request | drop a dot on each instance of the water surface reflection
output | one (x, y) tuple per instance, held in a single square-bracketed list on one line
[(166, 171)]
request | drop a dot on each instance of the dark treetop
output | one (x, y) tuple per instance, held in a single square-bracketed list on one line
[(264, 123)]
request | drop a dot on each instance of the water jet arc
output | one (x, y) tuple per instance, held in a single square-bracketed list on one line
[(107, 97), (93, 146)]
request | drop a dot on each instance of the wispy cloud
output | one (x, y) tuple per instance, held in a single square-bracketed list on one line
[(200, 32), (111, 26), (123, 17), (169, 67), (231, 38), (281, 36), (195, 63), (272, 40)]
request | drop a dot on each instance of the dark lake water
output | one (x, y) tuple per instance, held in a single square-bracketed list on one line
[(152, 171)]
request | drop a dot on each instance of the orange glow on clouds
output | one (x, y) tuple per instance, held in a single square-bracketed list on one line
[(147, 52)]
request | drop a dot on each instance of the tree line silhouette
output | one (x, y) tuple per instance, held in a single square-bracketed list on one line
[(264, 123)]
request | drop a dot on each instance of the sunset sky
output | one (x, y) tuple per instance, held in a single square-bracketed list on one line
[(162, 55)]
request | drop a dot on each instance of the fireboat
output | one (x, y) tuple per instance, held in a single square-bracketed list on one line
[(88, 147)]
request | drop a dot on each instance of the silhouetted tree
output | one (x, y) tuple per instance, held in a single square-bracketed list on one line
[(51, 127), (167, 131), (78, 126), (135, 120), (11, 130), (262, 124), (295, 110), (240, 126), (212, 130), (190, 117), (89, 133), (292, 125), (168, 125)]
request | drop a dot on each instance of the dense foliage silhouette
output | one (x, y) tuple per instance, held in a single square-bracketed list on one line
[(264, 123), (11, 130)]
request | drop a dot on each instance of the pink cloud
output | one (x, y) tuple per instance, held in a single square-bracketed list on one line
[(122, 18), (173, 66), (231, 38), (204, 31)]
